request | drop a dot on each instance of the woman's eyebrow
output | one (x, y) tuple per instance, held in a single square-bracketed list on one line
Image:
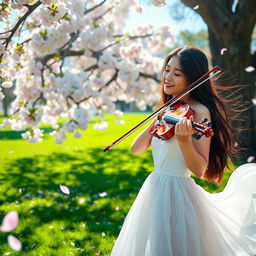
[(167, 65)]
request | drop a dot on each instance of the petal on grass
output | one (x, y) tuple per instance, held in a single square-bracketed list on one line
[(64, 189), (103, 194), (10, 221), (14, 243)]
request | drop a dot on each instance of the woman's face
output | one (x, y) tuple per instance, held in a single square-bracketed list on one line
[(174, 78)]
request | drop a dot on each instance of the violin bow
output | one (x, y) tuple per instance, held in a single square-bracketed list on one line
[(190, 88)]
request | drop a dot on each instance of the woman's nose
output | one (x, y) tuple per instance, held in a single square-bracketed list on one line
[(169, 76)]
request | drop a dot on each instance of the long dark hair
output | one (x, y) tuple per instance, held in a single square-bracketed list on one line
[(194, 64)]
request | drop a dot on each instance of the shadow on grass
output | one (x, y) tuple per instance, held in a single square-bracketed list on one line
[(16, 135), (118, 173)]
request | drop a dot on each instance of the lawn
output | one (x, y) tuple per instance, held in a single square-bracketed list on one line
[(102, 187)]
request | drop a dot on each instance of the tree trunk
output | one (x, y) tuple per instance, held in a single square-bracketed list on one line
[(233, 30), (9, 97), (234, 62)]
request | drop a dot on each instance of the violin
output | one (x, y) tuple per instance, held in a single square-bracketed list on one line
[(164, 129), (169, 103)]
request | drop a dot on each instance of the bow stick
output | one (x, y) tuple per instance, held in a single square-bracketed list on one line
[(168, 104)]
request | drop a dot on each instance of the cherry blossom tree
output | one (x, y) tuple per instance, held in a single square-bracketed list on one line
[(72, 59)]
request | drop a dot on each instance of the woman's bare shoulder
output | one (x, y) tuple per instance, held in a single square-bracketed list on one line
[(200, 110)]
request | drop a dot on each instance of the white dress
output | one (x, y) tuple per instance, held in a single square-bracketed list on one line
[(173, 216)]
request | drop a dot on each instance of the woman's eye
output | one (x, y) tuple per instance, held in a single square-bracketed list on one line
[(176, 74), (167, 70)]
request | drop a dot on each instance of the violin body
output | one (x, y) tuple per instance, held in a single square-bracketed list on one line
[(164, 130)]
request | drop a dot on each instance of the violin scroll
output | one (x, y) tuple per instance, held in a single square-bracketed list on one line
[(202, 129)]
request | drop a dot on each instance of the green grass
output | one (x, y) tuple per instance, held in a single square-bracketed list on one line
[(82, 223)]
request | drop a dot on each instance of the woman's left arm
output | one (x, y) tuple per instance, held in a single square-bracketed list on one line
[(195, 152)]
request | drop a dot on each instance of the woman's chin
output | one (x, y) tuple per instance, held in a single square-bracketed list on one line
[(168, 91)]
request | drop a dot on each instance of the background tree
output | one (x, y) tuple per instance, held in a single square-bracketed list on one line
[(230, 31)]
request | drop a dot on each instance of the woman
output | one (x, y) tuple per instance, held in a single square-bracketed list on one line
[(172, 215)]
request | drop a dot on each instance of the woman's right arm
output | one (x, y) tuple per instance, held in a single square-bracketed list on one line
[(143, 141)]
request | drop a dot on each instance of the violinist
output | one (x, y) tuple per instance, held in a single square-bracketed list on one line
[(172, 215)]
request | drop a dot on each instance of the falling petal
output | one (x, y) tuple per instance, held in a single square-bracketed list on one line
[(236, 144), (103, 194), (254, 101), (64, 189), (250, 159), (14, 243), (10, 221), (249, 69), (196, 7), (223, 50), (103, 234)]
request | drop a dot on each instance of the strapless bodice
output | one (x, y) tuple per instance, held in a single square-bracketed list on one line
[(168, 157)]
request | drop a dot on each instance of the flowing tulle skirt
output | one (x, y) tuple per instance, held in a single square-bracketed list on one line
[(173, 216)]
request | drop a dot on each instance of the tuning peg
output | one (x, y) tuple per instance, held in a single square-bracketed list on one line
[(209, 124), (197, 136), (204, 120)]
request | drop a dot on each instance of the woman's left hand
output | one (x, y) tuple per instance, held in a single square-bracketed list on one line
[(183, 129)]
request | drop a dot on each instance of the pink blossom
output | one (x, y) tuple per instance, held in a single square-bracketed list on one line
[(159, 2), (138, 8)]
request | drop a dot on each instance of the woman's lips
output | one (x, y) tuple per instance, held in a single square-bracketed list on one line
[(168, 85)]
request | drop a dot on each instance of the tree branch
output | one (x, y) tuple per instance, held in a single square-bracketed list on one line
[(112, 79), (94, 7), (31, 8), (153, 77)]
